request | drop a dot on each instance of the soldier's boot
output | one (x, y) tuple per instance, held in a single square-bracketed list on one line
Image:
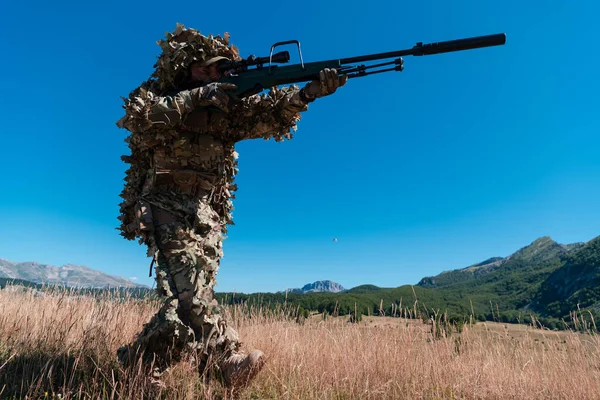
[(239, 369)]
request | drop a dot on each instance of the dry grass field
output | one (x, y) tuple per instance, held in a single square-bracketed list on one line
[(62, 346)]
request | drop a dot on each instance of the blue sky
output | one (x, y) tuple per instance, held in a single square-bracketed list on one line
[(458, 158)]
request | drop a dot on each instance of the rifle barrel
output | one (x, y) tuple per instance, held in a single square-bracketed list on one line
[(421, 49)]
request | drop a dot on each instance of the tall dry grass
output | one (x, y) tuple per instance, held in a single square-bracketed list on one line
[(65, 345)]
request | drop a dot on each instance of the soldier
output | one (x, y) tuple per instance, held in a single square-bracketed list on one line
[(178, 191)]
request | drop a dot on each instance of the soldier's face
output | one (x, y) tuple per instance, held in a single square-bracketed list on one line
[(205, 74)]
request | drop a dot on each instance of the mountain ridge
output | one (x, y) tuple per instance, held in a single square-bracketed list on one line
[(542, 249), (324, 286), (68, 275)]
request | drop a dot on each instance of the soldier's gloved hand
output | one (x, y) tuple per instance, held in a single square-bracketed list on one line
[(213, 94), (329, 81)]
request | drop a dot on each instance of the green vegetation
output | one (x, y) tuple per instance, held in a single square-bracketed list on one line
[(575, 286), (9, 281)]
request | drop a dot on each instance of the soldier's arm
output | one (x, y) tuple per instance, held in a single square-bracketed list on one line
[(275, 115), (145, 110)]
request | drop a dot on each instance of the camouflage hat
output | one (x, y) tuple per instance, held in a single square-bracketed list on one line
[(213, 60), (185, 46)]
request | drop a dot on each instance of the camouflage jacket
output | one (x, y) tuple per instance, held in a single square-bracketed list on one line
[(180, 148)]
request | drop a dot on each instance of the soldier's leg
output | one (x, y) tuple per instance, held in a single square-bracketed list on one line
[(165, 335), (188, 261), (193, 271), (237, 369), (193, 267)]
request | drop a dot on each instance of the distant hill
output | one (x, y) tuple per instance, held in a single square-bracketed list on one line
[(545, 278), (461, 275), (541, 250), (67, 275), (364, 289), (574, 285), (319, 287)]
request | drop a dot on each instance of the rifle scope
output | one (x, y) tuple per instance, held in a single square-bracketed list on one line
[(282, 57)]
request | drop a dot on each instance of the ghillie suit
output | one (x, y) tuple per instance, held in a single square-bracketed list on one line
[(177, 197), (178, 191)]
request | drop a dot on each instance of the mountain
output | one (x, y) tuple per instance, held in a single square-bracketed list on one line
[(68, 275), (545, 277), (461, 275), (319, 286), (541, 250), (575, 285)]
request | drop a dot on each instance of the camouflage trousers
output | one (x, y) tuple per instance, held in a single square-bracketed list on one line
[(189, 252)]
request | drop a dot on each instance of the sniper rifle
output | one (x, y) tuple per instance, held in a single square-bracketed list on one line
[(254, 74)]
